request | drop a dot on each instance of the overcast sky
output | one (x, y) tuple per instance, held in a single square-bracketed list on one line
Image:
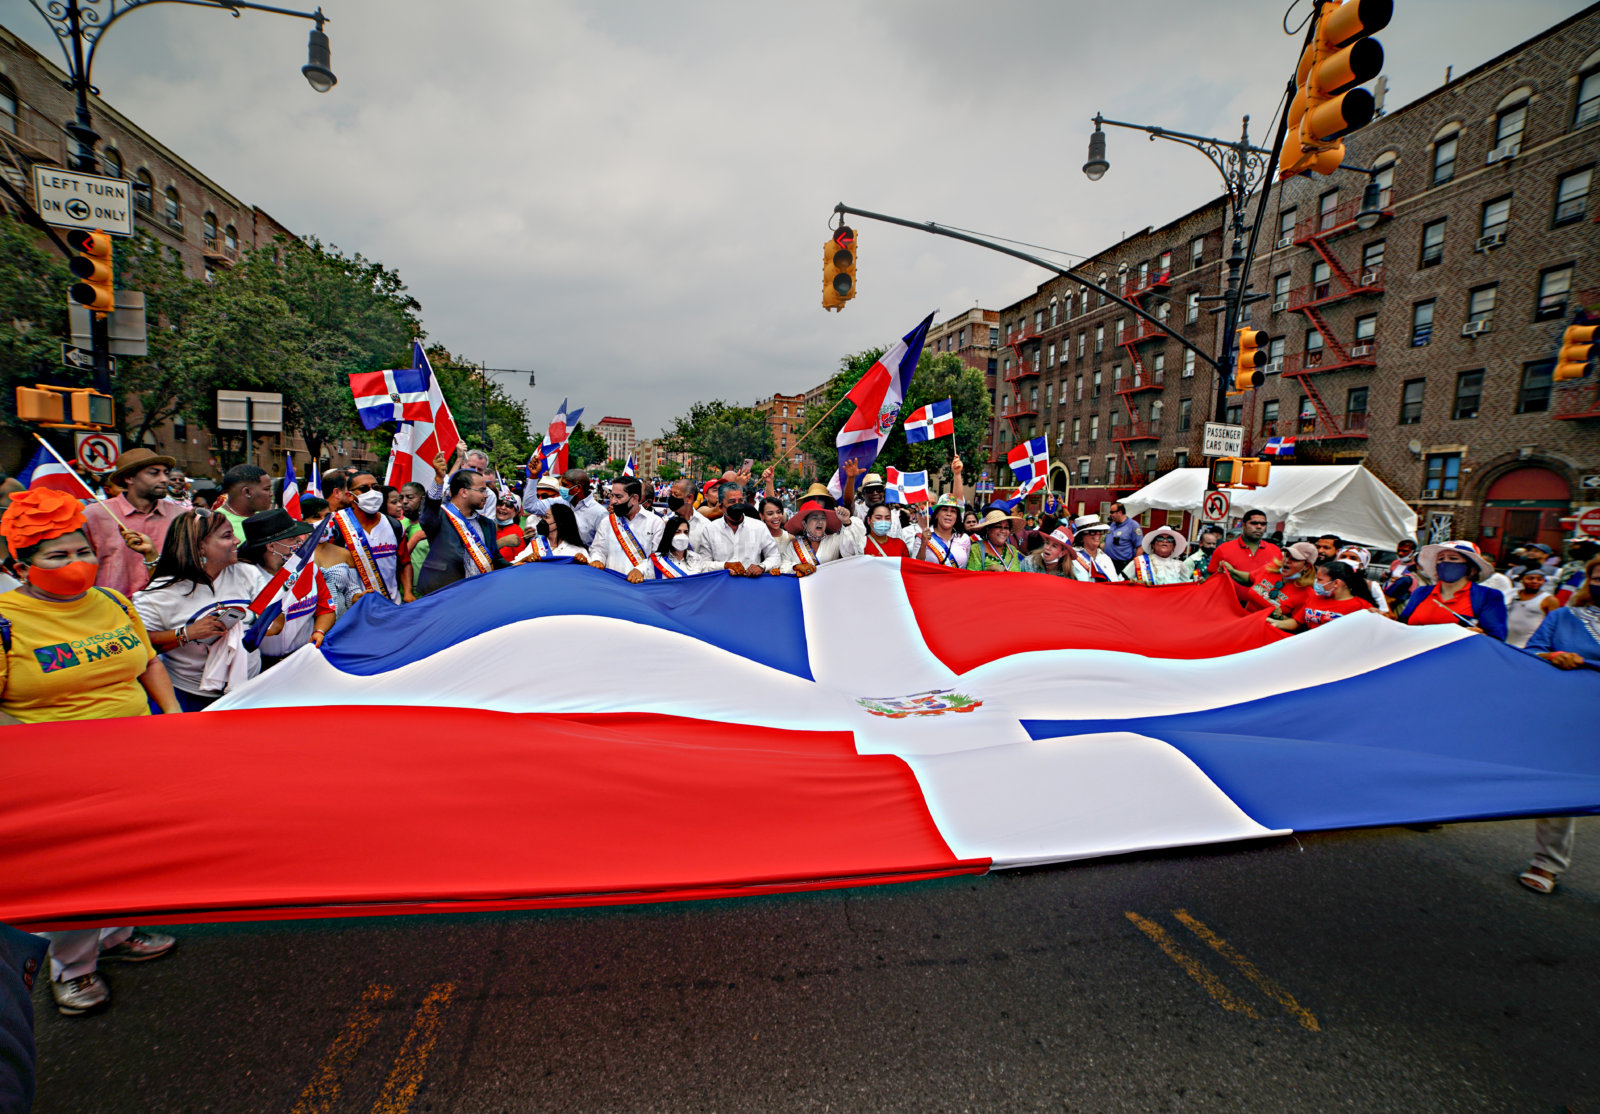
[(630, 196)]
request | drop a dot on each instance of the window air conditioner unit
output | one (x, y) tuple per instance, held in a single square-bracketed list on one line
[(1492, 240), (1273, 366), (1475, 328), (1504, 151), (1361, 349), (1286, 240), (1279, 307), (1368, 278)]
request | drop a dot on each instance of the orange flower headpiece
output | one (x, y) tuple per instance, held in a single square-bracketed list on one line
[(39, 514)]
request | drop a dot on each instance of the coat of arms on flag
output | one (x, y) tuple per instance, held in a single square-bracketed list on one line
[(936, 419), (931, 703), (911, 486)]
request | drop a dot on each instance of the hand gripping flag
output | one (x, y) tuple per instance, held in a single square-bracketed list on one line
[(1278, 446), (268, 603), (877, 396), (913, 486), (397, 395), (291, 489), (934, 420), (1031, 462), (47, 469), (551, 456)]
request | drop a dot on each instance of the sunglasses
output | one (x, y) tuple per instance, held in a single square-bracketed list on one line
[(362, 489)]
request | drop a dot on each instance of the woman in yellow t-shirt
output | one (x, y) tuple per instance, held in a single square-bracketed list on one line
[(71, 650)]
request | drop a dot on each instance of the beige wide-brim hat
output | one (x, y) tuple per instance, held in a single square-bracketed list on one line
[(1179, 550), (1428, 559), (995, 518), (871, 479)]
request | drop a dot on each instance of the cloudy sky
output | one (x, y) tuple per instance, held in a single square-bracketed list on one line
[(630, 196)]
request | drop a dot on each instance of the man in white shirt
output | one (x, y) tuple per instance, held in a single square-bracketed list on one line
[(588, 509), (628, 535), (701, 519), (743, 547)]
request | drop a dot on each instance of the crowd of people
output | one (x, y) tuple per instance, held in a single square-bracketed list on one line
[(138, 603)]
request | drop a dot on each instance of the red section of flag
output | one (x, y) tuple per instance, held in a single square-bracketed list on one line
[(583, 810), (1180, 621)]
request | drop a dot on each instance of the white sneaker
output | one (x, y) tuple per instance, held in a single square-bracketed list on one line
[(82, 994)]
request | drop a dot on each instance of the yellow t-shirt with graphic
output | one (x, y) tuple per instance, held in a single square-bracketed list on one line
[(78, 660)]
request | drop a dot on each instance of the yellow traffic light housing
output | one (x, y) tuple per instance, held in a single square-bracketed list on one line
[(839, 268), (1577, 349), (1249, 359), (1233, 471), (92, 266), (1327, 104), (66, 407)]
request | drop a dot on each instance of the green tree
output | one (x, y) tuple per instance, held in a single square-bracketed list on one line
[(33, 316), (720, 435), (586, 448), (669, 471)]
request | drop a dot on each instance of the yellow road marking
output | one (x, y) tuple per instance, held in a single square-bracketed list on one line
[(1249, 970), (1192, 967), (322, 1092), (401, 1087)]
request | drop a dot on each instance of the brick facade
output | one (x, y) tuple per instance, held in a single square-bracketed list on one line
[(785, 418)]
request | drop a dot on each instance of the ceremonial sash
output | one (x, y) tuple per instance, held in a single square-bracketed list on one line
[(1089, 567), (631, 549), (1000, 557), (804, 550), (355, 540), (470, 541), (1144, 570), (946, 557), (666, 567)]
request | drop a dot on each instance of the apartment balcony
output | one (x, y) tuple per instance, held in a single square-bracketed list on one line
[(1136, 431), (1141, 381), (1020, 410), (1359, 355), (1312, 428), (1144, 330), (33, 137), (1023, 370), (1018, 337), (1369, 281), (1342, 219), (218, 253), (1580, 401), (1156, 280)]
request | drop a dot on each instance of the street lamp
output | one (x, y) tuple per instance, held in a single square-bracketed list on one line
[(1371, 205), (1096, 167), (318, 59)]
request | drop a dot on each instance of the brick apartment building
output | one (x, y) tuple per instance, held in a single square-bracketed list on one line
[(1421, 347), (785, 414), (619, 437), (183, 209)]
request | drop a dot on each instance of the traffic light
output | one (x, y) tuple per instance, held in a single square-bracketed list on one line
[(1248, 361), (839, 268), (1232, 471), (66, 407), (92, 265), (1577, 349), (1327, 104)]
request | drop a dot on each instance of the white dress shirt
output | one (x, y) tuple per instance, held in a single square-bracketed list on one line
[(606, 550), (1102, 561), (830, 548), (590, 515), (751, 544)]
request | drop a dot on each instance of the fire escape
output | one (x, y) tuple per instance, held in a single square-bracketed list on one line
[(25, 139), (1311, 300), (1143, 378), (1024, 366)]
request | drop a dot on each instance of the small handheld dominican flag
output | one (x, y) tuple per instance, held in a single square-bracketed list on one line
[(291, 489), (628, 468), (913, 486), (314, 482), (933, 420), (1031, 462), (1278, 446), (47, 469), (397, 395)]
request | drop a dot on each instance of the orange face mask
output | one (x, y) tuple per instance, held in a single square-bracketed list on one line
[(72, 579)]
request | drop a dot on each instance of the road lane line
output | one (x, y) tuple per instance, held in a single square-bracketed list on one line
[(322, 1093), (1192, 967), (1249, 970), (401, 1087)]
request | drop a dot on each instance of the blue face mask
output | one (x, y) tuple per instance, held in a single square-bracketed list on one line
[(881, 527), (561, 492), (1452, 571), (1322, 589)]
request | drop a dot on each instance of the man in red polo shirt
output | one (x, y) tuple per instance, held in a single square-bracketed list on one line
[(1248, 552), (142, 509)]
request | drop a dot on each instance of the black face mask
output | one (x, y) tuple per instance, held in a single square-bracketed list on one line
[(736, 511), (543, 528), (673, 502)]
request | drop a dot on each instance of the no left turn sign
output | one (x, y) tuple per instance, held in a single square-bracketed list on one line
[(1215, 507), (98, 452)]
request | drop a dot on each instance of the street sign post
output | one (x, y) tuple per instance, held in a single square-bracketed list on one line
[(72, 199), (1591, 482), (98, 452), (1589, 522), (1216, 506), (73, 356), (1223, 440)]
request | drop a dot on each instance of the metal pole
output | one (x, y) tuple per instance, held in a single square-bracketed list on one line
[(249, 428), (82, 126)]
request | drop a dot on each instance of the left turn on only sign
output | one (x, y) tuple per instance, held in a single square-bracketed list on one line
[(68, 199)]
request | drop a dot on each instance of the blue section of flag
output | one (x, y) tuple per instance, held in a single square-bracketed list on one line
[(1366, 751), (1278, 446), (933, 420), (376, 636), (40, 456)]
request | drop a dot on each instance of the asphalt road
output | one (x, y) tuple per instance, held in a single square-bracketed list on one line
[(1388, 970)]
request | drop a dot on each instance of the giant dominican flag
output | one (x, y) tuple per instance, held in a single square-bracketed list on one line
[(878, 395), (47, 469), (1097, 720), (551, 455)]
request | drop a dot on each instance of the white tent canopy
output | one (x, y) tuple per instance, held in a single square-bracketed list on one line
[(1342, 499)]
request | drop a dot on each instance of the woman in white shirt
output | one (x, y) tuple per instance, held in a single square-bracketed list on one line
[(945, 543), (196, 605), (676, 556), (1527, 607), (557, 536)]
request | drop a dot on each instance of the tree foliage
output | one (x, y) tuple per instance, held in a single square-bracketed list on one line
[(720, 436), (586, 448), (33, 315), (484, 412)]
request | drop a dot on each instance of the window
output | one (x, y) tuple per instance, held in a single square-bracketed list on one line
[(1055, 313), (1083, 336), (1234, 414), (1366, 328), (1116, 420), (1049, 394), (1191, 309), (1077, 430), (1588, 100), (1286, 227), (1122, 324), (1534, 395), (1480, 305), (1444, 476), (1180, 459), (1099, 339), (143, 190), (1197, 252), (1411, 402), (1572, 198), (1066, 308), (1469, 389), (1085, 308), (1355, 402), (994, 336), (1094, 428), (1432, 244), (1052, 360), (1188, 363), (1496, 217), (1149, 464), (1269, 417), (1280, 288), (173, 210), (1083, 469), (1274, 352), (1061, 432), (1328, 210), (1094, 385), (230, 238), (1077, 389), (1156, 410), (112, 159), (180, 430), (1165, 263), (8, 107), (1158, 365), (1385, 179), (1185, 414), (1508, 126), (963, 338), (1116, 377), (1554, 286), (1144, 274), (1308, 415), (1038, 320), (1111, 470), (208, 228), (1444, 160), (1321, 279), (1421, 323), (1372, 256), (1163, 311), (1005, 369), (1313, 346)]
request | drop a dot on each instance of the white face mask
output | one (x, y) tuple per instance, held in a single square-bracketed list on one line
[(681, 542), (371, 502)]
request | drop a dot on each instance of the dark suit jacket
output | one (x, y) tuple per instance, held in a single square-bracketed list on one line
[(447, 558), (21, 961)]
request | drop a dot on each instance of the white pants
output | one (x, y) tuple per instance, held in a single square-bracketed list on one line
[(1554, 835), (76, 953)]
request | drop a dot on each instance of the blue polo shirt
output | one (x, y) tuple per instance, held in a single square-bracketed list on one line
[(1123, 540)]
